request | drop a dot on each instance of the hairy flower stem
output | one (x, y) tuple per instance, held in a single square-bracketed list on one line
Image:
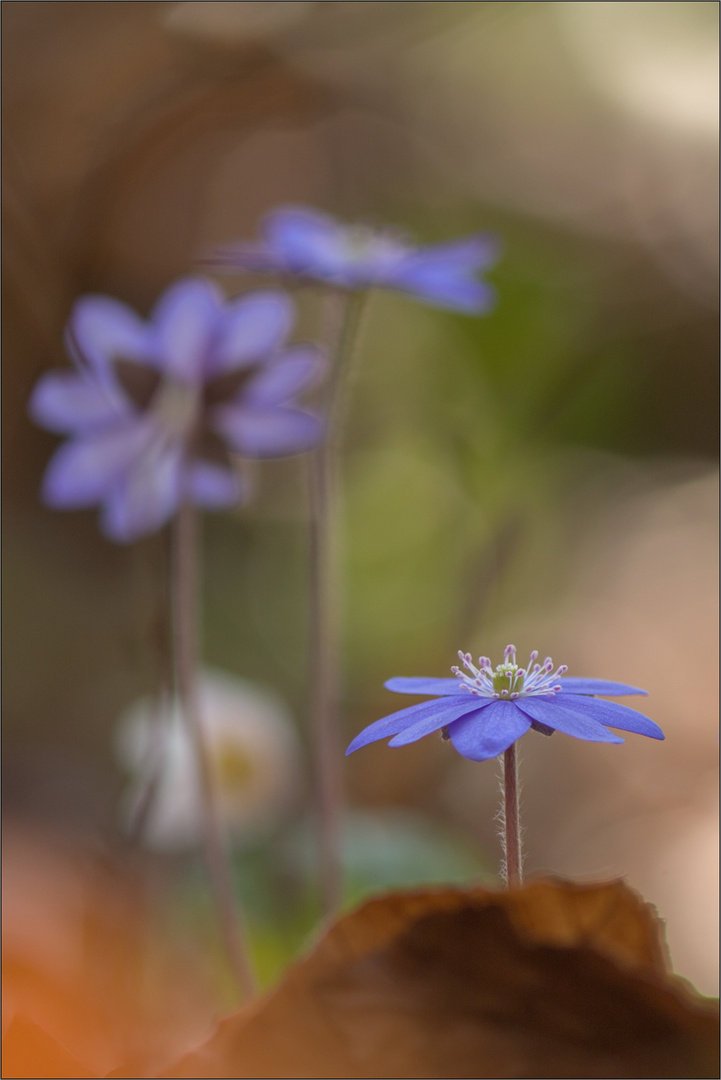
[(511, 822), (185, 617), (342, 313)]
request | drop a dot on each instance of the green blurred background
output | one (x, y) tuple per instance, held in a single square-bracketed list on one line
[(545, 475)]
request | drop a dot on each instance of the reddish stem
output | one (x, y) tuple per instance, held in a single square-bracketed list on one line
[(342, 315), (185, 617), (511, 820)]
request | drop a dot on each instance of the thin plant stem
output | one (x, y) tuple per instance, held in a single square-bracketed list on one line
[(159, 649), (185, 615), (511, 820), (342, 315), (153, 770)]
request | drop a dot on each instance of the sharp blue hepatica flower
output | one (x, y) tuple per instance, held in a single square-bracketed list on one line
[(155, 409), (305, 243), (484, 711)]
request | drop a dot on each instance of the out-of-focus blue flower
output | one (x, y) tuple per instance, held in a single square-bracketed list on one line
[(305, 243), (485, 711), (155, 410)]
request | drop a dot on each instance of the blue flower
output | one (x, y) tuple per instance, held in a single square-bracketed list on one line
[(305, 243), (485, 711), (156, 410)]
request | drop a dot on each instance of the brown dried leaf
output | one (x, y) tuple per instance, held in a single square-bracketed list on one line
[(550, 980)]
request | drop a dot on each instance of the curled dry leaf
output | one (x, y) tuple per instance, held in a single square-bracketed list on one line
[(549, 980)]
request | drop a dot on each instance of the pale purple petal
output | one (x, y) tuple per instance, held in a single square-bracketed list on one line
[(614, 715), (561, 714), (573, 685), (405, 718), (295, 370), (213, 486), (251, 328), (402, 685), (454, 294), (445, 273), (469, 255), (443, 285), (65, 402), (487, 733), (82, 471), (268, 432), (101, 329), (306, 240), (146, 496), (186, 319), (448, 712)]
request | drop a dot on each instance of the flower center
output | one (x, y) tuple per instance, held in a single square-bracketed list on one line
[(506, 678), (359, 242), (176, 406), (364, 245), (235, 768), (508, 681)]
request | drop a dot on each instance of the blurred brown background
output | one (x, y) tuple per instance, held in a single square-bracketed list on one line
[(546, 475)]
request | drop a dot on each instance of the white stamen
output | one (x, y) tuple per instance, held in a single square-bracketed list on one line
[(509, 681)]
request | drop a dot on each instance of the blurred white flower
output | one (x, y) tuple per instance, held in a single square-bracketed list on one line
[(253, 747)]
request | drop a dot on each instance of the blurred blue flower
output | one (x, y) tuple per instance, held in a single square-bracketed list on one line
[(485, 711), (305, 243), (155, 410)]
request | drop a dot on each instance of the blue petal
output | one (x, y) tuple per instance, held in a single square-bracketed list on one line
[(444, 274), (268, 432), (402, 685), (101, 329), (487, 733), (212, 486), (306, 240), (563, 715), (295, 370), (185, 322), (251, 329), (65, 402), (597, 686), (614, 715), (147, 495), (470, 255), (405, 718), (82, 471), (435, 723), (446, 290)]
